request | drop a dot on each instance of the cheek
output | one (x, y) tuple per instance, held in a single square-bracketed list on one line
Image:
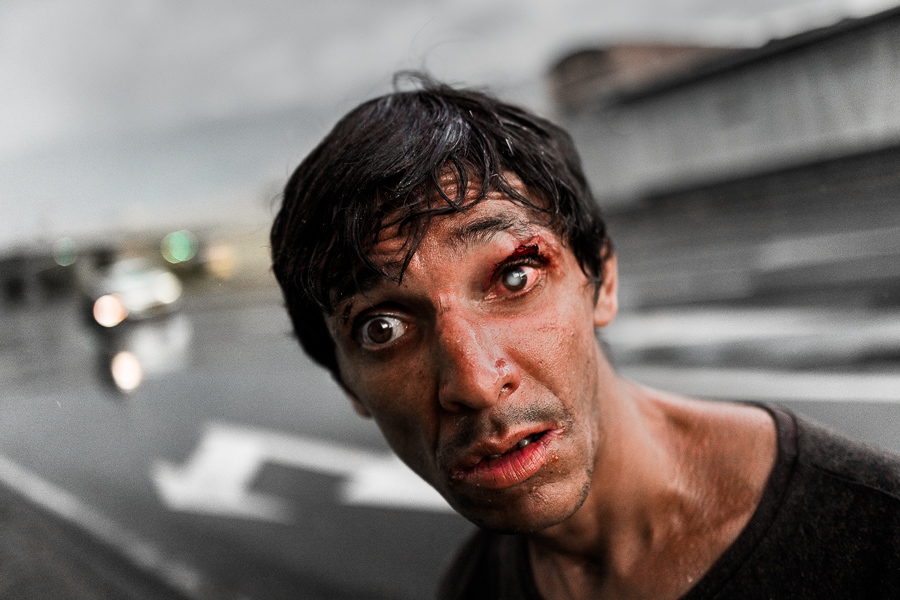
[(401, 406), (557, 347)]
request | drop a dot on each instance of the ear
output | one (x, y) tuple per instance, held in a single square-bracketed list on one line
[(607, 304), (358, 406)]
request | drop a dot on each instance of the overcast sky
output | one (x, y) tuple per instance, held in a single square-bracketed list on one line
[(149, 105)]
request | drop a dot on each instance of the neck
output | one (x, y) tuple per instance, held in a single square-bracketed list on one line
[(674, 483)]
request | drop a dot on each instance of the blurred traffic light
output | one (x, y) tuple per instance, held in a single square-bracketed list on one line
[(179, 246)]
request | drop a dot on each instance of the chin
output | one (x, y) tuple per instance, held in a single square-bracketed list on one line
[(529, 513)]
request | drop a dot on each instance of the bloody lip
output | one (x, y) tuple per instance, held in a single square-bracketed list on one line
[(511, 468)]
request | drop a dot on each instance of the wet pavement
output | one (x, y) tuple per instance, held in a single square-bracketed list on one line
[(43, 557)]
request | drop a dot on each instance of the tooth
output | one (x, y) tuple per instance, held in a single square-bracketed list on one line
[(493, 456), (523, 442)]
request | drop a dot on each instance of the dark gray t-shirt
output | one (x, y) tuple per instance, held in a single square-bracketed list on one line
[(827, 526)]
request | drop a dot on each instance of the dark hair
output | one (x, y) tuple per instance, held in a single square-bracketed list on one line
[(382, 165)]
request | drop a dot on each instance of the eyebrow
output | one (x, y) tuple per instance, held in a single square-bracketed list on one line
[(481, 230)]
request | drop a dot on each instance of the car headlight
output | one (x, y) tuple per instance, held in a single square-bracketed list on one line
[(110, 310), (126, 371)]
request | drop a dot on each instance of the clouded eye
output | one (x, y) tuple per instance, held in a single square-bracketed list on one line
[(514, 278), (381, 330)]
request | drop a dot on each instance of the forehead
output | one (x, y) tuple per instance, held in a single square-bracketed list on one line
[(483, 217), (456, 233)]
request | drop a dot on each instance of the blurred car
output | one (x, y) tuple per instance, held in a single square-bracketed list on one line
[(131, 289)]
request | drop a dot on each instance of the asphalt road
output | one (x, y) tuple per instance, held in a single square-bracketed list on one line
[(236, 469), (280, 502)]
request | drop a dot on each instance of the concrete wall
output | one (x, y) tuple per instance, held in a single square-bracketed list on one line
[(826, 233)]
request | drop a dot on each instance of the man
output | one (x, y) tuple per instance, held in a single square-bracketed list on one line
[(441, 254)]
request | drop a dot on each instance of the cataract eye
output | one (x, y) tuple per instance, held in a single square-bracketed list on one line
[(515, 279), (382, 330)]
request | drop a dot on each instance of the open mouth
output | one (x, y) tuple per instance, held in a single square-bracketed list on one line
[(517, 464), (525, 441)]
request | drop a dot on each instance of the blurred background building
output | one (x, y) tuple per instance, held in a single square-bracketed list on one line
[(754, 174)]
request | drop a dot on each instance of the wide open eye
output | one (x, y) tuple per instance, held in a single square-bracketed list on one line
[(515, 278), (381, 330)]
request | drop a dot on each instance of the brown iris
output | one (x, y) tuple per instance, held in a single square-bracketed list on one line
[(379, 331)]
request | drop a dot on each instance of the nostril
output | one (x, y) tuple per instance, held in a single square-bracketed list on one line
[(506, 389)]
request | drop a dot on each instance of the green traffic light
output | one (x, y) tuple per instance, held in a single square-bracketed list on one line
[(179, 246)]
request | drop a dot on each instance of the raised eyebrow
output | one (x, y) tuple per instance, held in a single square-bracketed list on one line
[(482, 230)]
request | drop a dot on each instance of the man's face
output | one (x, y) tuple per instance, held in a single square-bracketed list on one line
[(481, 368)]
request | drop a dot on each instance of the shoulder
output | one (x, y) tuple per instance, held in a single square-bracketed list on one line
[(848, 460), (842, 505), (828, 525)]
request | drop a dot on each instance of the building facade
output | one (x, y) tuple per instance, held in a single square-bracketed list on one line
[(770, 173)]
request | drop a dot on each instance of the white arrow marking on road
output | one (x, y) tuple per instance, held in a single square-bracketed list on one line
[(217, 478)]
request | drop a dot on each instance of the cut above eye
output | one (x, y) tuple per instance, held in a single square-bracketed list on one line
[(515, 278), (381, 330)]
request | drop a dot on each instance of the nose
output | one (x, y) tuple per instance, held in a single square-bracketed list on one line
[(474, 372)]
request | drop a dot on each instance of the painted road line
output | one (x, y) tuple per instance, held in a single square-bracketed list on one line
[(141, 553), (218, 477), (751, 384), (389, 483)]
